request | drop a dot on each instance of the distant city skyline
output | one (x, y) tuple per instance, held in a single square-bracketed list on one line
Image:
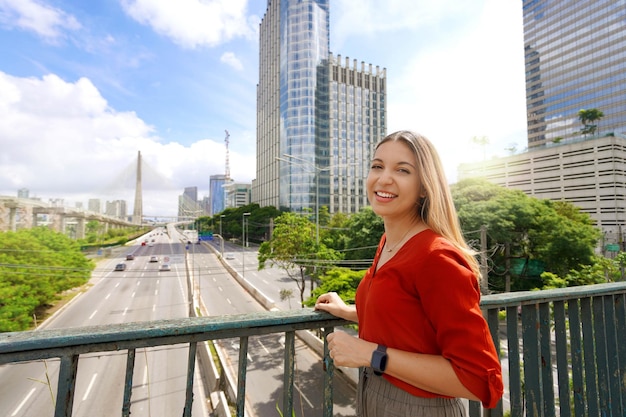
[(84, 86)]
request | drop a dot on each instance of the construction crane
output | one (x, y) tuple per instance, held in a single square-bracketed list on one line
[(227, 165)]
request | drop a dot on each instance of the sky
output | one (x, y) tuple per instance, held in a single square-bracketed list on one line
[(86, 85)]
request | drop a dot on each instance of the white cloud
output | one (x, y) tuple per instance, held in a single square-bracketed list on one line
[(356, 18), (63, 139), (449, 82), (193, 23), (36, 16), (230, 59)]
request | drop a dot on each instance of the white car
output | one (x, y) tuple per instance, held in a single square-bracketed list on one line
[(165, 267), (229, 255)]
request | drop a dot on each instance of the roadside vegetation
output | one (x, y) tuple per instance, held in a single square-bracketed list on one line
[(38, 267), (525, 243)]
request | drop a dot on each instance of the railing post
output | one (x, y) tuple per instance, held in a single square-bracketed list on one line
[(191, 366), (67, 385), (289, 375), (128, 382), (241, 376), (532, 374), (560, 333), (329, 368)]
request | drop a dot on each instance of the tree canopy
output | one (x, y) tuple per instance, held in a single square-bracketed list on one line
[(555, 235), (293, 248), (36, 266)]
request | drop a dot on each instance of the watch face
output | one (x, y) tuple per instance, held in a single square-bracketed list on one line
[(379, 360)]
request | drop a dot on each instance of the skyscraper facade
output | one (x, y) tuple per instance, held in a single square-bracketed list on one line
[(317, 120), (217, 193), (575, 58)]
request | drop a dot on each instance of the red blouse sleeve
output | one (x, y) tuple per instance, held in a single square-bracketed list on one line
[(450, 294)]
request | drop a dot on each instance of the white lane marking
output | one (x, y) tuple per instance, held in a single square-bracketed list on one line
[(229, 302), (133, 295), (93, 379), (93, 314), (303, 396), (264, 348), (125, 310), (107, 297), (24, 401), (117, 285)]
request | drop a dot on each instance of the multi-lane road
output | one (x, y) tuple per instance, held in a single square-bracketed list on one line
[(222, 295), (139, 293), (144, 292)]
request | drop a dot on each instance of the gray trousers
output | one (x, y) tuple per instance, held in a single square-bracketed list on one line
[(377, 397)]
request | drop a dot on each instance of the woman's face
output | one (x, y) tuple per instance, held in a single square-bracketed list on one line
[(393, 183)]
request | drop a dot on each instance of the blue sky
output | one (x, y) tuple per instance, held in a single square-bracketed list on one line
[(85, 85)]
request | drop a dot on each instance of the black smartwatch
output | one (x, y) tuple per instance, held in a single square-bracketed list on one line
[(379, 360)]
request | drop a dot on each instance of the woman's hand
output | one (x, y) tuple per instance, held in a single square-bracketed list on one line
[(349, 351), (333, 304)]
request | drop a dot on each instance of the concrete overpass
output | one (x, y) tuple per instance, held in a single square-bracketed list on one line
[(25, 213)]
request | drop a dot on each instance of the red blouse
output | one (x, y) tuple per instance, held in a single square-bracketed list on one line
[(425, 299)]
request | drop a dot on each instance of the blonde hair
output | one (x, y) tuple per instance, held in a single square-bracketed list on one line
[(436, 209)]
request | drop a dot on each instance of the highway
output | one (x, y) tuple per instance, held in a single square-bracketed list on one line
[(142, 292), (264, 381)]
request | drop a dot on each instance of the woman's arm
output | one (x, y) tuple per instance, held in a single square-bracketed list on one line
[(431, 373), (333, 304)]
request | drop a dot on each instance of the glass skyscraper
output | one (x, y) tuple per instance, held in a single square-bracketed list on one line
[(317, 120), (575, 58)]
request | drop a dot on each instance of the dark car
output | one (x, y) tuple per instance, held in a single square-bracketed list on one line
[(120, 267), (130, 257)]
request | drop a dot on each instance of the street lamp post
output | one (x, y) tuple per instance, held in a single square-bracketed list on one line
[(221, 236), (243, 243)]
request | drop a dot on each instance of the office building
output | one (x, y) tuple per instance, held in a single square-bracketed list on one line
[(116, 208), (318, 117), (237, 194), (188, 205), (94, 205), (575, 58), (217, 193)]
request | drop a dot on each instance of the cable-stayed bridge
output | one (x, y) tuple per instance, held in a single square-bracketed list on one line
[(19, 213)]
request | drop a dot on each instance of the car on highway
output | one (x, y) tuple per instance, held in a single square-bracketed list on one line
[(165, 267), (120, 267), (230, 255), (130, 257), (154, 259)]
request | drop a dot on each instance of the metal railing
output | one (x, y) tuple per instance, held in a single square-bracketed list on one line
[(565, 350)]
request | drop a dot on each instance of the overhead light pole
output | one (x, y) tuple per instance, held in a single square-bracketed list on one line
[(221, 236), (243, 243)]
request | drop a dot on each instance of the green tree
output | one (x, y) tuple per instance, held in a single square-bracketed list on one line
[(365, 229), (292, 248), (587, 117), (555, 233), (343, 281), (36, 266)]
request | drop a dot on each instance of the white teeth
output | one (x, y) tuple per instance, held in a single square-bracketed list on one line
[(385, 195)]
